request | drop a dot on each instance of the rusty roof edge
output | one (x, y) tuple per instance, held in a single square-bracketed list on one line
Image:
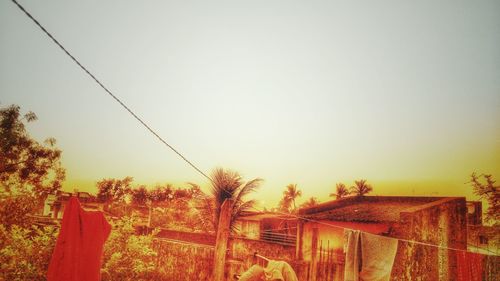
[(431, 204), (334, 204)]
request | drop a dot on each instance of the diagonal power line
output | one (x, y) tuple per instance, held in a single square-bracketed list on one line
[(109, 92)]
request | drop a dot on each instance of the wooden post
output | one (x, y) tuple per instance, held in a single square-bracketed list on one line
[(299, 242), (221, 242), (314, 253)]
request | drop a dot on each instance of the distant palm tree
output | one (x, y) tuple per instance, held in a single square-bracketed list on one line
[(340, 191), (291, 193), (313, 201), (361, 188), (229, 184)]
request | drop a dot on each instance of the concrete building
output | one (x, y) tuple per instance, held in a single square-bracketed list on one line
[(433, 220)]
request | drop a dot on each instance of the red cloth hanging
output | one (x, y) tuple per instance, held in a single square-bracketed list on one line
[(78, 252), (469, 266)]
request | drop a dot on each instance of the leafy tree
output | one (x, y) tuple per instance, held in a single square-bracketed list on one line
[(486, 188), (229, 184), (313, 201), (162, 194), (25, 164), (291, 193), (25, 252), (15, 209), (341, 191), (128, 256), (361, 188), (113, 190), (140, 195)]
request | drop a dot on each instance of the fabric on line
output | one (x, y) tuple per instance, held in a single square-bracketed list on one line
[(368, 257), (352, 255), (377, 257), (78, 251)]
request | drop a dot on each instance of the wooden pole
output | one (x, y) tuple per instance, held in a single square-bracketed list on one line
[(314, 252), (222, 238)]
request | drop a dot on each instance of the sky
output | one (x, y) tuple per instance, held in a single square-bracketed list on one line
[(403, 94)]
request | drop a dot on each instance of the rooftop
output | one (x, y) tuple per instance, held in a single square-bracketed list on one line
[(367, 208)]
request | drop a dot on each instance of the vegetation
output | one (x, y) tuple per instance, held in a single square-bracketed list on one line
[(313, 201), (361, 188), (29, 170), (128, 256), (291, 194), (227, 184), (25, 252), (341, 191), (486, 188)]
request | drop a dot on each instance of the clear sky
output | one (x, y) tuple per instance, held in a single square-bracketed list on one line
[(405, 94)]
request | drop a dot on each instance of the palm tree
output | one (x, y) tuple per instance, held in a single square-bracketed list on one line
[(284, 204), (291, 193), (227, 184), (313, 201), (361, 188), (340, 191)]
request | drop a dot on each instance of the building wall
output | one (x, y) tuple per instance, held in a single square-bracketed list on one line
[(331, 237), (440, 223), (248, 229)]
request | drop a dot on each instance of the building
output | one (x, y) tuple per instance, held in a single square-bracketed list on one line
[(55, 203), (481, 238), (269, 227), (431, 220)]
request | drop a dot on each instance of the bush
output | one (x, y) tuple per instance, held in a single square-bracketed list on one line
[(25, 252), (128, 256)]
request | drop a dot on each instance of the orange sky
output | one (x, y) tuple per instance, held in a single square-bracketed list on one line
[(312, 93)]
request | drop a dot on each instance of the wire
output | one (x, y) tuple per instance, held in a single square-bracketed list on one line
[(167, 144), (109, 92)]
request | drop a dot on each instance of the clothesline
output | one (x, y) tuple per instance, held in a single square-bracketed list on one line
[(399, 239)]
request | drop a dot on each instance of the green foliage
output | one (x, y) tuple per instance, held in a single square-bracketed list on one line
[(313, 201), (113, 190), (361, 188), (227, 184), (25, 164), (341, 191), (291, 194), (128, 256), (25, 252), (485, 187), (16, 209)]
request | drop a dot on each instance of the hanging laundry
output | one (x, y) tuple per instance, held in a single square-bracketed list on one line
[(274, 271), (78, 252), (368, 257), (377, 257), (469, 266), (352, 255)]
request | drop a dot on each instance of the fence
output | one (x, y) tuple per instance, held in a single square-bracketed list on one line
[(184, 261), (278, 238)]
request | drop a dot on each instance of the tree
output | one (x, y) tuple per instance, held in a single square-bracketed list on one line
[(113, 190), (285, 205), (26, 164), (140, 195), (227, 184), (341, 191), (291, 193), (361, 188), (161, 194), (313, 201), (485, 187)]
